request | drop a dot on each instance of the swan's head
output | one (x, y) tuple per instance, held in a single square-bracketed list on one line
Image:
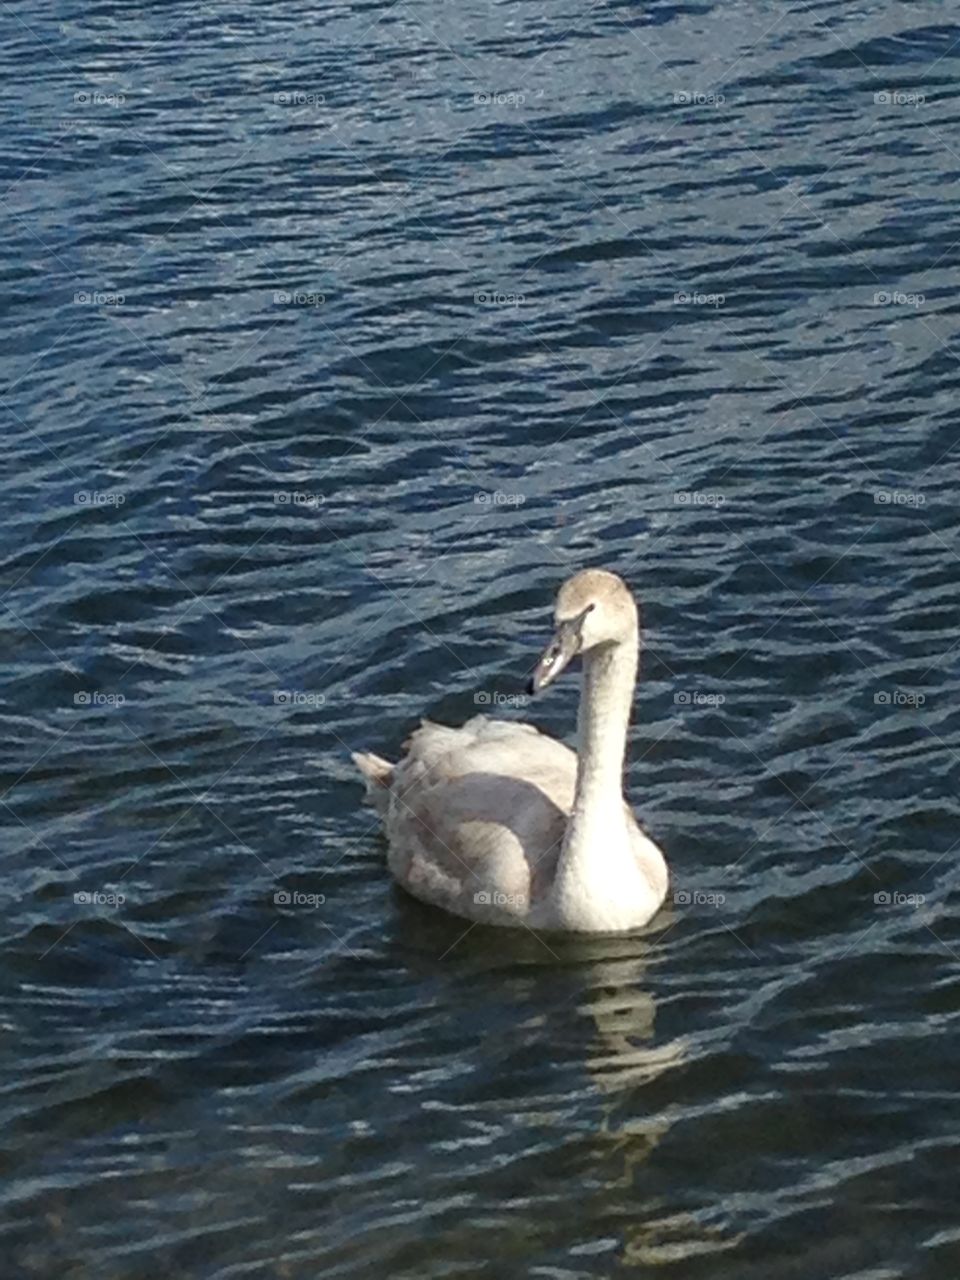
[(594, 608)]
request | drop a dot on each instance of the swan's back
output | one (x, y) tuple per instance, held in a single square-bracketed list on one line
[(475, 816)]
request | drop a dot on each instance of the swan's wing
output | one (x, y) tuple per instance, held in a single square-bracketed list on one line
[(479, 810)]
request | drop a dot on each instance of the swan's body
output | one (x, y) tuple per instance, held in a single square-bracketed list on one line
[(500, 823)]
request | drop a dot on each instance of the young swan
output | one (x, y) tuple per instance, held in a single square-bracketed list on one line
[(500, 823)]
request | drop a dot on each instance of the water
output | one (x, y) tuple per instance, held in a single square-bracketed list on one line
[(358, 328)]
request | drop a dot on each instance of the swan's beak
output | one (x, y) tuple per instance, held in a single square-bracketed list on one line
[(564, 646)]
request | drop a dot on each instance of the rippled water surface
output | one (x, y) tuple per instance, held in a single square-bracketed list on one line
[(334, 337)]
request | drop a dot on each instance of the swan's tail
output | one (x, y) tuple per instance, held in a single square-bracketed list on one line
[(378, 775)]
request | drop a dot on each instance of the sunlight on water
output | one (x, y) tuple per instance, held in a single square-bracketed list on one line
[(333, 340)]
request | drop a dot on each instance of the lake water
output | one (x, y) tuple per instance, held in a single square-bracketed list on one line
[(333, 338)]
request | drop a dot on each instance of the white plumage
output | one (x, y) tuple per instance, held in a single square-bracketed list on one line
[(500, 823)]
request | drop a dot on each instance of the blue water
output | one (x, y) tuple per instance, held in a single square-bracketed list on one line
[(333, 339)]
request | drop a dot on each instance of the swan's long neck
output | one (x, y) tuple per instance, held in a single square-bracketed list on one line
[(597, 843), (609, 676), (609, 875)]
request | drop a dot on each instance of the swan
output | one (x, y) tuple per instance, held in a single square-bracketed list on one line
[(502, 824)]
